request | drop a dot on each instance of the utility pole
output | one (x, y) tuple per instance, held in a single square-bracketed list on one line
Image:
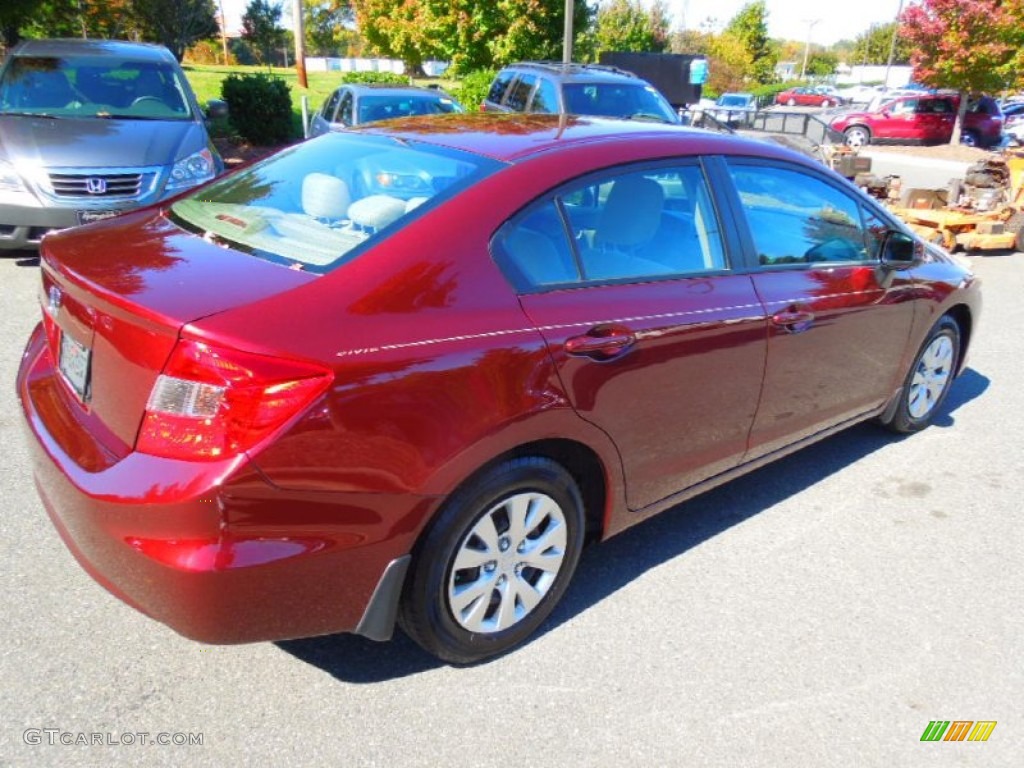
[(892, 43), (223, 31), (807, 48), (300, 44), (567, 33)]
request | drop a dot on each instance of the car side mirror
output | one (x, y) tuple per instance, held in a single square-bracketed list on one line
[(216, 109), (901, 250), (885, 113)]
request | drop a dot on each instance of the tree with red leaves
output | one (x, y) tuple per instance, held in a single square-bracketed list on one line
[(971, 46)]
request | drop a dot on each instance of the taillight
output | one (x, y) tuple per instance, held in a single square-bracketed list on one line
[(212, 402)]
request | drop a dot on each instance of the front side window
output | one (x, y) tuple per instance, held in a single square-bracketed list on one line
[(622, 226), (316, 205), (330, 106), (545, 98), (94, 87), (797, 218)]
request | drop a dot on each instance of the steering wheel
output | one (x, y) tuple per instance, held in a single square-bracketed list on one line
[(148, 99)]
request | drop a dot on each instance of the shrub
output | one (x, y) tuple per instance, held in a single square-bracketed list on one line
[(375, 77), (260, 107), (472, 89)]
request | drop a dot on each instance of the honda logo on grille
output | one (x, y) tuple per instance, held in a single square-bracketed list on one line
[(95, 185)]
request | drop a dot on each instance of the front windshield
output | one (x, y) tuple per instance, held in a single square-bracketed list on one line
[(93, 87), (313, 206), (733, 101), (617, 100)]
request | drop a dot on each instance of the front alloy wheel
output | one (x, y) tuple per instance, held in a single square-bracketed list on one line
[(929, 379)]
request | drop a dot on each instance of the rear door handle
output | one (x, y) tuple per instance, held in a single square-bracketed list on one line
[(793, 320), (600, 344)]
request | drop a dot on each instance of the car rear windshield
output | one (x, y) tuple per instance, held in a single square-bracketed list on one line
[(617, 100), (387, 107), (93, 87), (321, 203)]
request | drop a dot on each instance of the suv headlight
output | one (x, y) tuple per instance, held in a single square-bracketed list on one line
[(192, 170)]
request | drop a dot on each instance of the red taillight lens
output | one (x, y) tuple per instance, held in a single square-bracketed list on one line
[(212, 402)]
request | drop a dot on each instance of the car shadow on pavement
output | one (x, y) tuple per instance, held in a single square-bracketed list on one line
[(606, 568)]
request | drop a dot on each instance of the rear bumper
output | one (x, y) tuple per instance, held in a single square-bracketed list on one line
[(213, 550)]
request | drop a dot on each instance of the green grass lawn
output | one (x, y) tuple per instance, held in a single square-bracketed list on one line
[(206, 82)]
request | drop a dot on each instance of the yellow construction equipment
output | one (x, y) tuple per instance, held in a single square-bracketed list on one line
[(961, 216)]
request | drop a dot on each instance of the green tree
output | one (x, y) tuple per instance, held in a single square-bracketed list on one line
[(625, 25), (973, 47), (14, 14), (872, 46), (327, 24), (261, 28), (175, 24), (750, 26), (821, 63), (472, 34)]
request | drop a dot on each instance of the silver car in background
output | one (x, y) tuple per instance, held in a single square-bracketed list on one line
[(92, 128)]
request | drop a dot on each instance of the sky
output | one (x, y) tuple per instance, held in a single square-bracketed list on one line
[(788, 19)]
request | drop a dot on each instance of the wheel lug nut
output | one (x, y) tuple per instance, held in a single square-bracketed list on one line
[(490, 566), (504, 543)]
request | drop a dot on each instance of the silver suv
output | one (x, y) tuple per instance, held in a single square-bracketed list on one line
[(576, 89), (90, 129)]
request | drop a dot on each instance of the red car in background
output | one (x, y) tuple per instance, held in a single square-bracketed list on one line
[(923, 119), (408, 371), (807, 97)]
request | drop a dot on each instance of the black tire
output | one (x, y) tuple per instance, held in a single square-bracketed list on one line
[(426, 613), (970, 139), (919, 403)]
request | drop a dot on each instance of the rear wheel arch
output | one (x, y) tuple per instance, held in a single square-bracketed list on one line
[(579, 460)]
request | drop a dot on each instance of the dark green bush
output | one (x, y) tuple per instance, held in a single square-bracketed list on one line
[(260, 107), (472, 89)]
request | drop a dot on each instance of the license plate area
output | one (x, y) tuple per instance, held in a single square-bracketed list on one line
[(74, 365), (88, 217)]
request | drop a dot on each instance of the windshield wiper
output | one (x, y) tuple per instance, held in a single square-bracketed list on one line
[(30, 114)]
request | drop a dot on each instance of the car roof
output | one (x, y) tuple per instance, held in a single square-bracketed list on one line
[(122, 49), (391, 89), (511, 137), (579, 73)]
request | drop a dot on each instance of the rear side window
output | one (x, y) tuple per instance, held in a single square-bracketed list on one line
[(622, 226), (796, 218), (499, 85)]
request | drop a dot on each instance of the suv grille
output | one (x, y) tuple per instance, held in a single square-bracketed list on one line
[(96, 185)]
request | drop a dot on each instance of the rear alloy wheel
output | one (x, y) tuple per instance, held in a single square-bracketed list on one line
[(791, 103), (969, 139), (929, 379), (496, 561), (825, 103), (857, 136)]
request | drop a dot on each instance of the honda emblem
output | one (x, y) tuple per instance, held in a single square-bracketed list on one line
[(95, 185)]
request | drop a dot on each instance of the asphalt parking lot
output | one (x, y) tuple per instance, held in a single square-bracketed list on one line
[(819, 612)]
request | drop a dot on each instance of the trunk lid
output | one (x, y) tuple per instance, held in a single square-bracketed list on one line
[(115, 297)]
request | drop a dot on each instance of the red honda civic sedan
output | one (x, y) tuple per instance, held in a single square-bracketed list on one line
[(406, 372)]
